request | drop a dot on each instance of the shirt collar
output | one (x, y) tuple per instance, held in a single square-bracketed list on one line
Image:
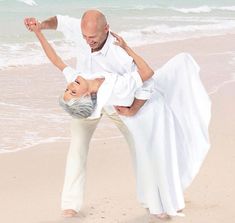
[(106, 46)]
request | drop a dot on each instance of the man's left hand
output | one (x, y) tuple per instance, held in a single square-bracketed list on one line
[(125, 111)]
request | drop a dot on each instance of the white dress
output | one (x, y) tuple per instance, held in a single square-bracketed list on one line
[(170, 131), (171, 135)]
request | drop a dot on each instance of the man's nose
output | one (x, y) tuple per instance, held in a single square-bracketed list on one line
[(89, 40)]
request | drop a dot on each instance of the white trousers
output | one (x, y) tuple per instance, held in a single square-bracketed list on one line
[(75, 172)]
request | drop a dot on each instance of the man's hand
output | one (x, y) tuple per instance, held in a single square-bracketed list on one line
[(30, 24), (125, 111), (132, 110)]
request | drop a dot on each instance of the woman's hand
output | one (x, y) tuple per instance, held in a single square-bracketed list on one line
[(120, 41)]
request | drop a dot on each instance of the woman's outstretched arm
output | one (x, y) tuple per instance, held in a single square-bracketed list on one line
[(50, 52), (145, 72), (144, 69)]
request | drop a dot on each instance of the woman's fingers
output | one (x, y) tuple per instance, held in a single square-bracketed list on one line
[(119, 38), (120, 41), (114, 34), (31, 23)]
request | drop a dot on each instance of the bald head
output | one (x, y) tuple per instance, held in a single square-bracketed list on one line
[(94, 18), (94, 28)]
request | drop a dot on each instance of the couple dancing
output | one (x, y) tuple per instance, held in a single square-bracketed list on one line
[(164, 115)]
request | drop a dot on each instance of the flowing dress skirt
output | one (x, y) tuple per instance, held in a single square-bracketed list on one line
[(171, 135)]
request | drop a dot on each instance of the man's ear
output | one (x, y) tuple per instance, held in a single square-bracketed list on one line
[(106, 28)]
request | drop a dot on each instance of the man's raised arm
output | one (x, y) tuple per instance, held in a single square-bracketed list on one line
[(50, 23)]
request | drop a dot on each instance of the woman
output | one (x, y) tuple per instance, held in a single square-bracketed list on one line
[(170, 131)]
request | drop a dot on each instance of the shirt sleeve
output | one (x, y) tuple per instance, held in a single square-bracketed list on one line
[(144, 92), (70, 27)]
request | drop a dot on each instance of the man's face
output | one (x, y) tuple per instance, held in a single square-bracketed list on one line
[(76, 89), (94, 37)]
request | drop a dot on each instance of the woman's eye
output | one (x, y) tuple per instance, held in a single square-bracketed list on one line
[(77, 82), (73, 92)]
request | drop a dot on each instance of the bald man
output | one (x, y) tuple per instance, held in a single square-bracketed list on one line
[(95, 52)]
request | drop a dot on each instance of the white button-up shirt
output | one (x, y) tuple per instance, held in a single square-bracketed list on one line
[(110, 59)]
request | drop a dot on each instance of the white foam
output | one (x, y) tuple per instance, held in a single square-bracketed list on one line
[(143, 7), (200, 9), (28, 2), (31, 53), (226, 8), (108, 138), (221, 85), (203, 9), (163, 33), (15, 106), (30, 141)]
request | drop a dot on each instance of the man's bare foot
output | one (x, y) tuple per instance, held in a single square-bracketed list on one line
[(69, 213), (159, 217)]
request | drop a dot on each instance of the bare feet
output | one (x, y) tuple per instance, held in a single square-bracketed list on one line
[(154, 218), (179, 211), (69, 213), (163, 216)]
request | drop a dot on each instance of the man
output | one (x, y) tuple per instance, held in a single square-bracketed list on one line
[(95, 53)]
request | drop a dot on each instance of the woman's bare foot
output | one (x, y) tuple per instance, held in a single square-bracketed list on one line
[(69, 213), (179, 211)]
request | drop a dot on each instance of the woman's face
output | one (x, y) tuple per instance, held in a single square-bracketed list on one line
[(76, 89)]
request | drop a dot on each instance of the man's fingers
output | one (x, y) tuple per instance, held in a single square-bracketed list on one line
[(30, 23), (117, 110), (116, 107)]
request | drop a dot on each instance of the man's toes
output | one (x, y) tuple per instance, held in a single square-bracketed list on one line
[(69, 213)]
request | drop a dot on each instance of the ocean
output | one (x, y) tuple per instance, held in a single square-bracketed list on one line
[(140, 22), (29, 118)]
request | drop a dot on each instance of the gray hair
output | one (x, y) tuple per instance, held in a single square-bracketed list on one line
[(81, 107)]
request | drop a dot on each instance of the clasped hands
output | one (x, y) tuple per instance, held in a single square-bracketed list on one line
[(32, 24)]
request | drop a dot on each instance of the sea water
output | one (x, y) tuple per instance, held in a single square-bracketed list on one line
[(140, 22), (28, 117)]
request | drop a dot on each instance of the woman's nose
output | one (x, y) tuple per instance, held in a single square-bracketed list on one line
[(71, 85)]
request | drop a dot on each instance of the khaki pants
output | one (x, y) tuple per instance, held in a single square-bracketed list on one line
[(75, 172)]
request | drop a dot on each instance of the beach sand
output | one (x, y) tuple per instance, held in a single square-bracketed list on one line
[(31, 180)]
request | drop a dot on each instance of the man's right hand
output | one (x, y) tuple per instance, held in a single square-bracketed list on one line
[(30, 24)]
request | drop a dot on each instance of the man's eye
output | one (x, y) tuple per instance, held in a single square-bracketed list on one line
[(73, 92), (77, 82)]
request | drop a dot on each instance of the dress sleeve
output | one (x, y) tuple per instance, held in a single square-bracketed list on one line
[(144, 91)]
